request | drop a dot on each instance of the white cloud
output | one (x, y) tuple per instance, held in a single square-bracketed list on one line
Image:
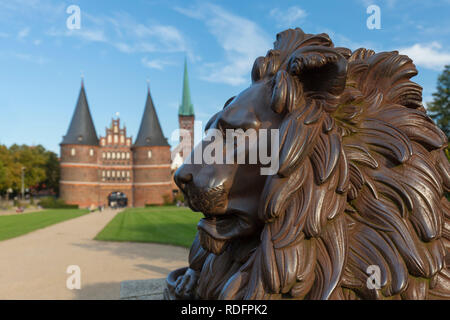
[(156, 63), (241, 39), (23, 33), (288, 17), (428, 55), (127, 35), (86, 34), (191, 13)]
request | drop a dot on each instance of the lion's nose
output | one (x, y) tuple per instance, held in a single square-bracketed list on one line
[(182, 177)]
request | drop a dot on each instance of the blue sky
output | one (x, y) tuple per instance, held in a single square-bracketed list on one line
[(121, 44)]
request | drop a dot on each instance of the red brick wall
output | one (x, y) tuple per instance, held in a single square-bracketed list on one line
[(151, 194), (153, 171), (187, 123), (82, 195), (81, 169)]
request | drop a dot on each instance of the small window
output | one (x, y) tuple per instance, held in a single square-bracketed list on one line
[(149, 154), (108, 155), (109, 139), (91, 152), (102, 142), (108, 173), (103, 155), (128, 155), (113, 174), (123, 155), (128, 142), (113, 155), (116, 138), (128, 173), (122, 139), (73, 152)]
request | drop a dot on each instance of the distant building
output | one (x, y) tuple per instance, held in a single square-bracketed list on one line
[(94, 170), (186, 118)]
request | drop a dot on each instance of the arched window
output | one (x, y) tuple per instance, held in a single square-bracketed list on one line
[(149, 154)]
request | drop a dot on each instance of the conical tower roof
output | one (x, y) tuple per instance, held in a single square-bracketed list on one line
[(150, 132), (81, 129), (186, 107)]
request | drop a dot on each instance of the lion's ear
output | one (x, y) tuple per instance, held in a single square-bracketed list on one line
[(319, 69), (287, 92)]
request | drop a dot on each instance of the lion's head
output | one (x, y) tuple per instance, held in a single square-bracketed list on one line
[(360, 182)]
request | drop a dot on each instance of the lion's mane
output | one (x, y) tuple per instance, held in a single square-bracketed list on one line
[(361, 182)]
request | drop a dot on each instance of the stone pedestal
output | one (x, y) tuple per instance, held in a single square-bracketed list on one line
[(151, 289)]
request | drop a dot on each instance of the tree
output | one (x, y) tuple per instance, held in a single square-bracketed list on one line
[(439, 108), (2, 173), (52, 171), (41, 168)]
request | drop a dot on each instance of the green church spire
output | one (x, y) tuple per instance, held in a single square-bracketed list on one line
[(186, 107)]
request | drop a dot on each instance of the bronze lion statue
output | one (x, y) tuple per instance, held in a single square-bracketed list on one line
[(360, 185)]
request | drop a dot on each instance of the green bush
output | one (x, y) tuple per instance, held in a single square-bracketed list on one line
[(53, 203), (179, 197)]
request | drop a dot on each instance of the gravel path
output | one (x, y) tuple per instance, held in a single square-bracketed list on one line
[(33, 266)]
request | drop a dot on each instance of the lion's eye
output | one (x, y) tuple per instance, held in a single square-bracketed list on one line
[(228, 102)]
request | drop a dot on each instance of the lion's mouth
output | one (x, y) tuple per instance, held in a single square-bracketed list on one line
[(215, 232), (225, 227), (208, 201)]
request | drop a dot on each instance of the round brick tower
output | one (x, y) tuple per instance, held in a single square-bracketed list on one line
[(151, 160), (79, 157)]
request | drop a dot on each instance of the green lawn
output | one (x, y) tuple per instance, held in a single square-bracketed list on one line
[(16, 225), (169, 225)]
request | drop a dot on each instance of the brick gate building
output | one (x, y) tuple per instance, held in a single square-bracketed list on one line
[(93, 168)]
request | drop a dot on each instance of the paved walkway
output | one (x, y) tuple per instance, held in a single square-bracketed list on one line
[(33, 266)]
